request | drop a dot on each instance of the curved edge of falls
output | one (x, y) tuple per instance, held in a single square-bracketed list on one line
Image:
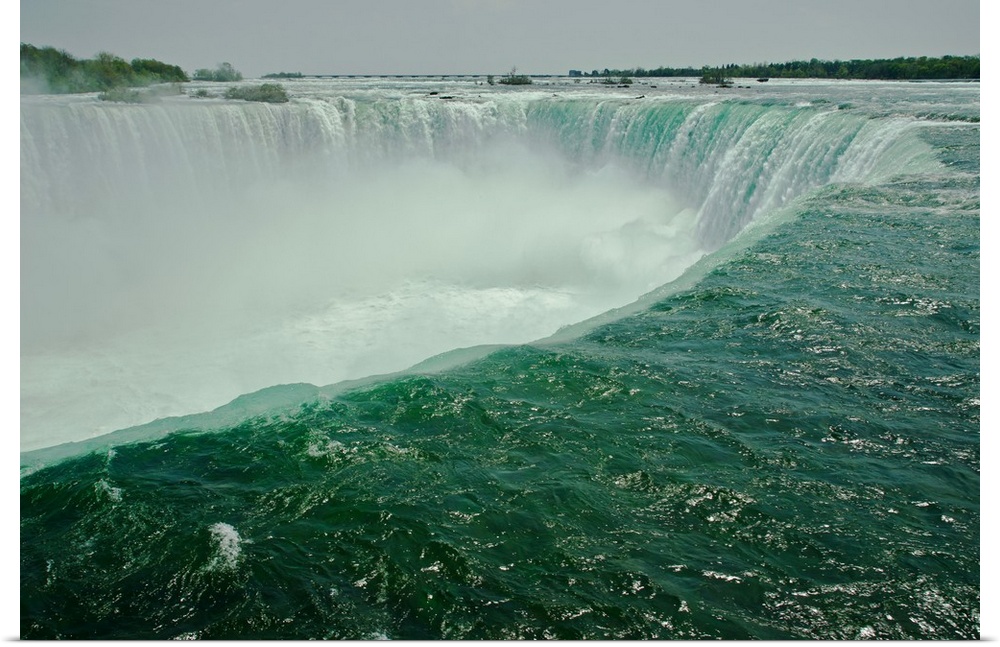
[(735, 163)]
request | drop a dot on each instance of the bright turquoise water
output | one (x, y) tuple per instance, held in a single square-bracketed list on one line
[(784, 443)]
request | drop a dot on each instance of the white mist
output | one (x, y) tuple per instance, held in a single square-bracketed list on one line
[(170, 265)]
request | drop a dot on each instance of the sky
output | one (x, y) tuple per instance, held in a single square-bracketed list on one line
[(492, 36)]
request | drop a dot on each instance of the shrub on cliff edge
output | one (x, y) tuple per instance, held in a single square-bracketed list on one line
[(266, 92)]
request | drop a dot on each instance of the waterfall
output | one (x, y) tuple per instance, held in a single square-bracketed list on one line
[(178, 254)]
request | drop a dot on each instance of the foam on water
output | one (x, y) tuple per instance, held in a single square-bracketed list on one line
[(228, 546)]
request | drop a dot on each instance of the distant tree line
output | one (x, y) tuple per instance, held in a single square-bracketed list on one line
[(60, 72), (639, 71), (283, 75), (945, 67)]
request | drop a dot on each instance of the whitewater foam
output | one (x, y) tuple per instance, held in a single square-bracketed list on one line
[(227, 546), (298, 283)]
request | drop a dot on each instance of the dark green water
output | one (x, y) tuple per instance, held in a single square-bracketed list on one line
[(787, 448)]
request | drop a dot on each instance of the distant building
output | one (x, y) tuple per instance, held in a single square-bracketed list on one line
[(575, 73)]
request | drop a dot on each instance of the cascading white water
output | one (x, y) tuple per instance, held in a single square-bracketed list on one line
[(179, 254)]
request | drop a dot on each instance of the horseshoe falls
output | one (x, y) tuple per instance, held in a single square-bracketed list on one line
[(420, 358)]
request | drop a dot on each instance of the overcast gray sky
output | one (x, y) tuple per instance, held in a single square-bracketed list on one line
[(491, 36)]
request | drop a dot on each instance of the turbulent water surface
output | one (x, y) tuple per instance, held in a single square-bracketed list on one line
[(686, 362)]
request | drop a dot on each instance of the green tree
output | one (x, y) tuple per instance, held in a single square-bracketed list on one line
[(513, 78), (50, 69), (714, 76), (152, 71), (223, 72), (109, 71), (46, 69)]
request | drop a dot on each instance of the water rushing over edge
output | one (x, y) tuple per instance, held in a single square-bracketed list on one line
[(321, 240), (782, 444)]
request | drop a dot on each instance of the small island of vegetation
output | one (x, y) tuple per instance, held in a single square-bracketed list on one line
[(265, 92), (283, 75), (146, 95), (715, 77), (513, 78), (224, 73)]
